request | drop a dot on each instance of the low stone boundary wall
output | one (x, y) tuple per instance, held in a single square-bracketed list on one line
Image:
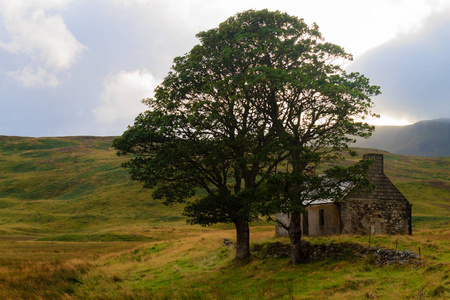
[(382, 256)]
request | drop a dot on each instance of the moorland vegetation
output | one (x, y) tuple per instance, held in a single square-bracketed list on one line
[(73, 226)]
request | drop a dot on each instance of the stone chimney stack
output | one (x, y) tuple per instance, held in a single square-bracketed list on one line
[(377, 167)]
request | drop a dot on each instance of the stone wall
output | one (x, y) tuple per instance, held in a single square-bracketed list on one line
[(385, 210), (375, 217), (381, 256)]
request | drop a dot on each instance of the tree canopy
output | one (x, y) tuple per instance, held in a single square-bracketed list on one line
[(261, 88)]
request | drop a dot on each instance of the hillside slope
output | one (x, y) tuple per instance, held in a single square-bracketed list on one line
[(74, 184), (425, 138), (69, 185)]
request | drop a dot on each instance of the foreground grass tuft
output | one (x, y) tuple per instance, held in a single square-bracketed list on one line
[(41, 280)]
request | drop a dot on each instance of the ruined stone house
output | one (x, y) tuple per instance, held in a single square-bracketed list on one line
[(383, 211)]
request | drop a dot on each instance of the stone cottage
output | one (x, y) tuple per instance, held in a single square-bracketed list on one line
[(383, 211)]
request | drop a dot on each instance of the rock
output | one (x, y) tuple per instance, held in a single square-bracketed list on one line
[(227, 242)]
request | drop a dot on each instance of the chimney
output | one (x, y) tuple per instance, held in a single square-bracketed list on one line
[(377, 167)]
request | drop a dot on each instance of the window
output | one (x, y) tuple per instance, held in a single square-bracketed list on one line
[(321, 217)]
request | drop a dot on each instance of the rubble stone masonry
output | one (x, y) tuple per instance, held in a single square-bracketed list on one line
[(385, 210)]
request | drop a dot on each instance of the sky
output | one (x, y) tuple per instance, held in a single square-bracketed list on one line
[(82, 67)]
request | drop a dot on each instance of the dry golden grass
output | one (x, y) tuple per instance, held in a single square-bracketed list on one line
[(194, 264), (47, 270)]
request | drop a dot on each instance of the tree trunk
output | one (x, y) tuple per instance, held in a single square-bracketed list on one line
[(295, 235), (242, 240)]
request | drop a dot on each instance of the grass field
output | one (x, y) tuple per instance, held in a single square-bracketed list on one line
[(73, 226)]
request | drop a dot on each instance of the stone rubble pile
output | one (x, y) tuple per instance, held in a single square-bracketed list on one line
[(382, 256)]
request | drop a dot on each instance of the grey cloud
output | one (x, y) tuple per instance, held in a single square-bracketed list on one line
[(413, 72), (147, 35)]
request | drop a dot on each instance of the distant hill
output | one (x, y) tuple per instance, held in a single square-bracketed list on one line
[(425, 138)]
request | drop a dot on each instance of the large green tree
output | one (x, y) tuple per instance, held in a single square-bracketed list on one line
[(314, 106), (261, 88)]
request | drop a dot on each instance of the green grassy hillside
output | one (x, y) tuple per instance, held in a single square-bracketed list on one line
[(70, 185), (74, 226)]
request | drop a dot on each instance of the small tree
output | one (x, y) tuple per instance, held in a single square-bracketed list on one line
[(257, 90)]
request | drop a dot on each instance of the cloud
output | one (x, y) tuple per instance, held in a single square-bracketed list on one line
[(413, 71), (354, 24), (43, 44), (41, 77), (43, 38), (120, 99)]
